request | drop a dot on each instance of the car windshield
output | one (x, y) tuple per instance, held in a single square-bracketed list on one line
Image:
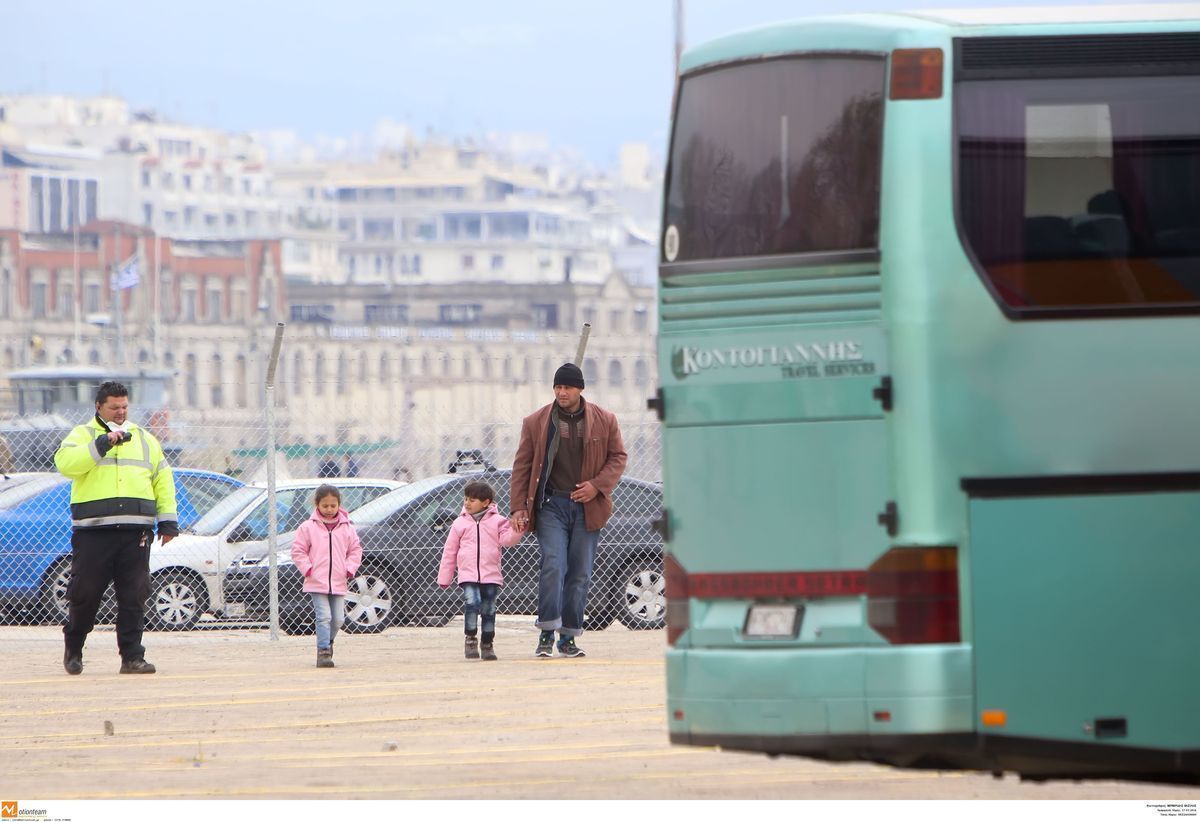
[(380, 508), (223, 513), (12, 497)]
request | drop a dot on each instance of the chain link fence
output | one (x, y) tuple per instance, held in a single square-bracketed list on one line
[(399, 448)]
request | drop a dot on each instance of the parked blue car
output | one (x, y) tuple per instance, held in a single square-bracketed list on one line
[(35, 537)]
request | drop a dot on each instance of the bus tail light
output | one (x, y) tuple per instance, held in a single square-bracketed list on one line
[(916, 74), (679, 612), (912, 595)]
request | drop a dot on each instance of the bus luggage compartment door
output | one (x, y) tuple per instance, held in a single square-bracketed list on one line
[(1085, 619)]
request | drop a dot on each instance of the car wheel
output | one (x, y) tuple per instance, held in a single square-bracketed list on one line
[(597, 619), (641, 595), (177, 601), (55, 606), (370, 601), (295, 625)]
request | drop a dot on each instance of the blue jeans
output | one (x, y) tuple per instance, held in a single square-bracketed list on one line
[(479, 598), (331, 613), (568, 550)]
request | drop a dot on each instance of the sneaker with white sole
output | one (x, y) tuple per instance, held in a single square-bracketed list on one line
[(567, 647)]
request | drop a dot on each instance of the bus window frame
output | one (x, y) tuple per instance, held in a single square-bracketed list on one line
[(1035, 72), (769, 262)]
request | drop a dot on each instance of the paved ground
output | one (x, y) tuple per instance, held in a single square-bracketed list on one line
[(403, 716)]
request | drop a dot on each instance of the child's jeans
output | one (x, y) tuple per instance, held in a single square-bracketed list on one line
[(331, 612), (479, 598)]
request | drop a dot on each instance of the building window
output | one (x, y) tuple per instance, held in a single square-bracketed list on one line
[(385, 370), (343, 373), (616, 375), (616, 321), (66, 298), (147, 214), (188, 301), (640, 318), (319, 376), (641, 373), (459, 313), (545, 315), (589, 315), (56, 220), (497, 262), (91, 298), (591, 372), (187, 182), (212, 306), (297, 372), (145, 178), (310, 313), (90, 200), (36, 220), (386, 314), (240, 380), (38, 302), (468, 262), (218, 397), (190, 382)]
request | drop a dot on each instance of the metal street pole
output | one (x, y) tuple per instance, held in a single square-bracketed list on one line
[(272, 515)]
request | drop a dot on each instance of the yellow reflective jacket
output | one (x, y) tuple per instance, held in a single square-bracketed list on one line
[(129, 486)]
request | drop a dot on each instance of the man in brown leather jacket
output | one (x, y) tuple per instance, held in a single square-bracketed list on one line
[(562, 482)]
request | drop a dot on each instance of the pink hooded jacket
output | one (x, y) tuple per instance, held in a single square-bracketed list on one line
[(332, 556), (474, 547)]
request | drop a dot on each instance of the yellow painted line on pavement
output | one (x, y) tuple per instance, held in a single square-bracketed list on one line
[(511, 789), (546, 664), (205, 734), (141, 707)]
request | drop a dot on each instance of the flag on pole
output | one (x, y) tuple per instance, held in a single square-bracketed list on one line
[(126, 276)]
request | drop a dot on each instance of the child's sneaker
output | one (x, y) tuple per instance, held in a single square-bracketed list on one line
[(471, 647), (567, 647), (545, 646)]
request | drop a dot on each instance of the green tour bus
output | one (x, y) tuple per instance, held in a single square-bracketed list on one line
[(929, 288)]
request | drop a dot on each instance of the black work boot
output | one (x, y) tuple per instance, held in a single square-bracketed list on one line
[(325, 658), (73, 662), (137, 666), (470, 647), (486, 651)]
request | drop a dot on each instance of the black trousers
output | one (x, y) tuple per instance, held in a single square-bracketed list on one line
[(99, 556)]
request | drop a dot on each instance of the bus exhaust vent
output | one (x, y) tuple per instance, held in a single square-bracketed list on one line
[(1084, 55)]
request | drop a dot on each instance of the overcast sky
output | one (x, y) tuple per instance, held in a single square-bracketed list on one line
[(589, 74)]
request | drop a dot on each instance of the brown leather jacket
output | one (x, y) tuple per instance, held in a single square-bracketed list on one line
[(603, 462)]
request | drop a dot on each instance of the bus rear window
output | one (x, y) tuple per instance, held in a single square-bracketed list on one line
[(776, 157), (1082, 193)]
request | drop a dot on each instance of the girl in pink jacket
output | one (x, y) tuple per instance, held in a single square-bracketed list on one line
[(473, 549), (327, 551)]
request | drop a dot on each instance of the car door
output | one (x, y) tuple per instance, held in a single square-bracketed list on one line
[(520, 562), (247, 533)]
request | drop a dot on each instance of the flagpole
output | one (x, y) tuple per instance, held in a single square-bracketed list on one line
[(155, 317), (116, 296), (76, 289)]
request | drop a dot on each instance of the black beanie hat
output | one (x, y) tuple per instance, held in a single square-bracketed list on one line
[(569, 374)]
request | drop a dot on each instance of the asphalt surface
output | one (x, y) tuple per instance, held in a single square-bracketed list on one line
[(234, 714)]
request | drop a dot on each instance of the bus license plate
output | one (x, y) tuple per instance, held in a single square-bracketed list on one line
[(773, 622)]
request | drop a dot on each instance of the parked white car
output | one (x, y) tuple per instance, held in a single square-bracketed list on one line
[(185, 574)]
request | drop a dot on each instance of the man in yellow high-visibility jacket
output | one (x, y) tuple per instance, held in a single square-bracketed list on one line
[(121, 486)]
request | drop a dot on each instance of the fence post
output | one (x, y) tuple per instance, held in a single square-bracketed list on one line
[(583, 341), (272, 514)]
